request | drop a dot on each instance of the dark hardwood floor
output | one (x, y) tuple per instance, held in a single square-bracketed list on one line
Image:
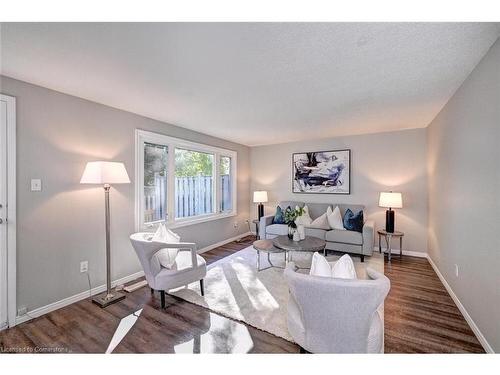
[(420, 317)]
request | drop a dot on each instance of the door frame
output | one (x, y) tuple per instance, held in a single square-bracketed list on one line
[(11, 209)]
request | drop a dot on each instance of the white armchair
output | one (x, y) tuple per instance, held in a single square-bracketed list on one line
[(188, 267), (327, 315)]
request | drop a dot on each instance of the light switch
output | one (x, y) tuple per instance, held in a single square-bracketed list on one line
[(36, 184)]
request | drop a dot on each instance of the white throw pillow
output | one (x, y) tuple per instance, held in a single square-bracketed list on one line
[(335, 218), (160, 234), (320, 266), (167, 256), (344, 268), (304, 219), (163, 234), (320, 223)]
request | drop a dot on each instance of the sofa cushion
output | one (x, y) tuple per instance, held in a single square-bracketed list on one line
[(314, 232), (352, 221), (320, 223), (279, 216), (344, 268), (318, 209), (344, 236), (278, 229), (320, 266), (335, 218)]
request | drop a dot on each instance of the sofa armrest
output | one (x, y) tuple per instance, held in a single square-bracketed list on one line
[(368, 237), (264, 222)]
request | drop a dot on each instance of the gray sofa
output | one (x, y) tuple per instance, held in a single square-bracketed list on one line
[(337, 240)]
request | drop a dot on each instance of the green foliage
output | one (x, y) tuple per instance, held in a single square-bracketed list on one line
[(292, 214), (187, 163), (225, 165), (192, 163)]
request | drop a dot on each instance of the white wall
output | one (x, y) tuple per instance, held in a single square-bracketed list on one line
[(379, 162), (464, 194), (64, 223)]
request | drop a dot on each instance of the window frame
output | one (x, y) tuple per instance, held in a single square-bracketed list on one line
[(143, 136)]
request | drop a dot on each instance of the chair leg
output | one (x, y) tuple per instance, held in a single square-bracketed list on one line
[(362, 258), (162, 296), (202, 287)]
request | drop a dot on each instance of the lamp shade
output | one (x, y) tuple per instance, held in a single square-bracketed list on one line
[(260, 196), (390, 200), (105, 172)]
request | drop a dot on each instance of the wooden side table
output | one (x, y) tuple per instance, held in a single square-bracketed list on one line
[(388, 237)]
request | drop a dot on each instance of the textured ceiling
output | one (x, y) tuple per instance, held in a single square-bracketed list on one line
[(255, 83)]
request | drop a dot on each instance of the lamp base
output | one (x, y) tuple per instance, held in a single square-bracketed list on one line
[(261, 210), (105, 299), (389, 221)]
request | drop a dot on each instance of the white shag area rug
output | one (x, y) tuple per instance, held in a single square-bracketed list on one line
[(235, 289)]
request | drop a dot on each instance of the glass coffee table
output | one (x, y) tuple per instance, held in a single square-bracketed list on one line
[(307, 245)]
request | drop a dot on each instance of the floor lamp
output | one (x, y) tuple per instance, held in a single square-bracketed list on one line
[(106, 173)]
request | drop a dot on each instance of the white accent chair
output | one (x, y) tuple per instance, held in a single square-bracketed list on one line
[(189, 267), (329, 315)]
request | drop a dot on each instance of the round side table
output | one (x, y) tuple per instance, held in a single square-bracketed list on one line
[(388, 237), (266, 246)]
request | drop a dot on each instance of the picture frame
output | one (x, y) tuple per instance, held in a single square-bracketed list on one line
[(322, 172)]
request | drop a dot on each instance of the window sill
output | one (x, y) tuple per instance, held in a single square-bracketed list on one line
[(179, 223)]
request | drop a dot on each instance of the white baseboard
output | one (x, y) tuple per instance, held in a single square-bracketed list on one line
[(99, 289), (75, 298), (487, 347), (405, 252), (221, 243)]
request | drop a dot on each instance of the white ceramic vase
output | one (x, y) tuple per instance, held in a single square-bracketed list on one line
[(296, 236), (302, 232)]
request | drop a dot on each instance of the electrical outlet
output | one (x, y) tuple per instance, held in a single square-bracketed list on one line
[(36, 184), (84, 266), (456, 270), (22, 311)]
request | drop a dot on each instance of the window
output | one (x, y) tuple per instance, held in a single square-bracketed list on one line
[(182, 182), (226, 200), (194, 183), (155, 182)]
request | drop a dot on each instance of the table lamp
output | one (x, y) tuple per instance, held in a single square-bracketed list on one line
[(106, 173), (390, 200), (260, 197)]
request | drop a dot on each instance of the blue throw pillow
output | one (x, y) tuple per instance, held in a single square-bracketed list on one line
[(353, 222), (279, 216)]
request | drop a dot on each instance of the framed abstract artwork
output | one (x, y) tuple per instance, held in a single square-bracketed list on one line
[(322, 172)]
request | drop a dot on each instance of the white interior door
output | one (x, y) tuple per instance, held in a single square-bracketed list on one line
[(3, 215), (7, 211)]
